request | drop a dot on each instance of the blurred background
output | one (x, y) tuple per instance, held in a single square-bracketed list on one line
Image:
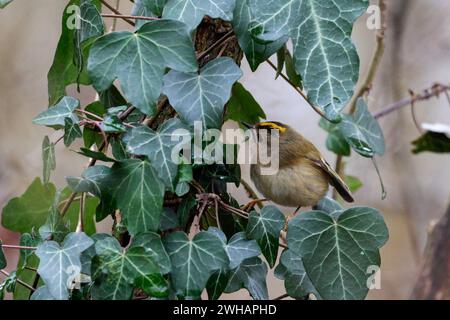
[(417, 55)]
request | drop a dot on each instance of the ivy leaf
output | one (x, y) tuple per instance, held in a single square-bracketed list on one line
[(117, 269), (436, 142), (239, 248), (91, 22), (193, 261), (31, 210), (291, 73), (242, 107), (59, 266), (296, 281), (55, 115), (133, 187), (255, 51), (353, 183), (217, 284), (4, 3), (202, 96), (139, 60), (88, 153), (336, 251), (158, 147), (328, 205), (251, 274), (48, 158), (147, 8), (362, 131), (2, 257), (192, 12), (110, 98), (153, 245), (335, 141), (72, 131), (55, 227), (265, 228), (64, 71), (324, 54), (42, 293), (112, 124)]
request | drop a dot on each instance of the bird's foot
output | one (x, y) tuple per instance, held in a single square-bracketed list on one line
[(249, 206)]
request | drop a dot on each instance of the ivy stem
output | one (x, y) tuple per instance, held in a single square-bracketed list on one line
[(80, 226), (299, 91), (26, 285), (89, 114), (10, 246), (114, 24), (123, 16)]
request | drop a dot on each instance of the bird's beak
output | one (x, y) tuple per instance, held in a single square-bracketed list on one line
[(248, 125)]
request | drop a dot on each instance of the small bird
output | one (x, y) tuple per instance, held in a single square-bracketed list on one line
[(303, 177)]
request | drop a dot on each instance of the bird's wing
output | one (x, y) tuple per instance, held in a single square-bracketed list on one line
[(335, 180)]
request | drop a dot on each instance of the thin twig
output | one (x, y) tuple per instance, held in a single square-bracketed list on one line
[(117, 12), (68, 203), (26, 285), (216, 44), (123, 16), (93, 115), (283, 296), (427, 94), (10, 246), (317, 110)]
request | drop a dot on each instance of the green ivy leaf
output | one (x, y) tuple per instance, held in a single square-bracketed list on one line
[(64, 71), (56, 227), (324, 54), (238, 249), (251, 274), (31, 210), (91, 22), (291, 73), (296, 281), (192, 12), (158, 147), (265, 228), (153, 245), (139, 60), (112, 124), (436, 142), (328, 205), (42, 293), (133, 187), (72, 131), (110, 98), (147, 8), (48, 158), (117, 269), (59, 266), (242, 107), (353, 183), (336, 251), (256, 52), (202, 96), (4, 3), (362, 131), (193, 261), (8, 284), (88, 153), (335, 141), (2, 257), (56, 115)]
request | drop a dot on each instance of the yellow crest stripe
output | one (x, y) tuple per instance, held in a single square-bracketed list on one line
[(273, 126)]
